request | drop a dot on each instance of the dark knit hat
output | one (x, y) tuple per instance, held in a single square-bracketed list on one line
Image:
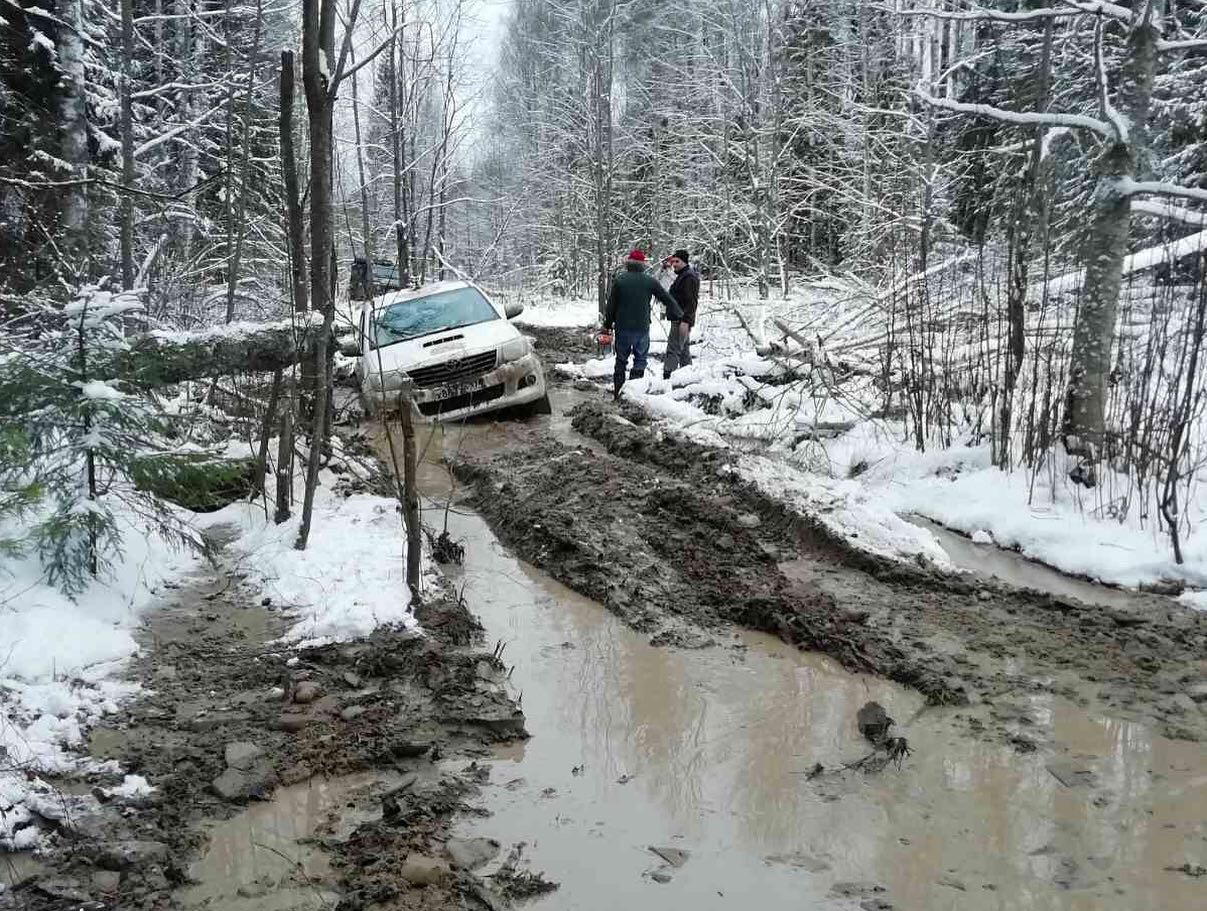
[(682, 254)]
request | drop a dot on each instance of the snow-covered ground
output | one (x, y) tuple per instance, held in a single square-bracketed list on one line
[(813, 442), (61, 660)]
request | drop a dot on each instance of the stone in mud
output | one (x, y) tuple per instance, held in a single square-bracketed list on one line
[(419, 870), (239, 785), (1198, 692), (292, 723), (352, 712), (749, 520), (409, 749), (503, 720), (242, 754), (123, 855), (471, 853), (63, 888), (306, 692), (106, 881), (676, 857), (351, 679), (1070, 774)]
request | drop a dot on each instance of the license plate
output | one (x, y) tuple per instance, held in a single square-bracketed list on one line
[(452, 390)]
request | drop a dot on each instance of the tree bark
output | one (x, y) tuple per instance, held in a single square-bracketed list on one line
[(398, 145), (410, 503), (294, 227), (1103, 251), (127, 133), (318, 69), (1024, 225), (240, 215), (160, 359), (73, 130)]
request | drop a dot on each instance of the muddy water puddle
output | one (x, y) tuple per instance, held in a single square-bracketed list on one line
[(705, 755), (988, 561), (269, 856)]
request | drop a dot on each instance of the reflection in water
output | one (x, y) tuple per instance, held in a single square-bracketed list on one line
[(713, 748), (718, 743), (260, 860)]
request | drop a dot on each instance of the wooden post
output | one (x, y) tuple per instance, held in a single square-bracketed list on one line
[(284, 498), (410, 501), (270, 417)]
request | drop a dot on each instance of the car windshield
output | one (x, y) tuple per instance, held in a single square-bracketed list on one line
[(424, 315), (385, 273)]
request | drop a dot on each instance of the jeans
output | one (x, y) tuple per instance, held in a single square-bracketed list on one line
[(635, 342), (678, 350)]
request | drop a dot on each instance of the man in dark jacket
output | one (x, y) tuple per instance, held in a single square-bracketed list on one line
[(629, 312), (686, 292)]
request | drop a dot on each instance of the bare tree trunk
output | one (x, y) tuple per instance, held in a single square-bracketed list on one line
[(73, 117), (191, 54), (270, 418), (318, 66), (127, 131), (295, 229), (284, 473), (398, 145), (1028, 210), (1105, 246), (240, 215), (365, 225)]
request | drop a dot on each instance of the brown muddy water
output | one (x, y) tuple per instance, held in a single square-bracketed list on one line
[(708, 751), (269, 856)]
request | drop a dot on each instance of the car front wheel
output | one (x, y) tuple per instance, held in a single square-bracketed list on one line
[(541, 406)]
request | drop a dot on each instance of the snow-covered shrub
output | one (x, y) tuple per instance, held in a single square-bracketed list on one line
[(76, 443)]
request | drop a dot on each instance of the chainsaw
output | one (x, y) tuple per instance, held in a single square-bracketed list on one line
[(604, 341)]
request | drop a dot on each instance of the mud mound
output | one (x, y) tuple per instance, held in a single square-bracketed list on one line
[(654, 549), (661, 533)]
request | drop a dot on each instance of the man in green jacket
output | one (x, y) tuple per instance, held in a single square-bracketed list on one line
[(629, 312)]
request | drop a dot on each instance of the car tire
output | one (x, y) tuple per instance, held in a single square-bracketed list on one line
[(541, 406)]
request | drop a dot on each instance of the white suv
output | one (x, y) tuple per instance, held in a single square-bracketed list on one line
[(457, 347)]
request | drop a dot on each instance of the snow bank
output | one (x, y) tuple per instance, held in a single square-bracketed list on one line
[(849, 509), (59, 658), (57, 661), (349, 580), (809, 441), (558, 313)]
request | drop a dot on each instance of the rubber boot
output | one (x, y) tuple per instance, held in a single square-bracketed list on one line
[(617, 385), (636, 374)]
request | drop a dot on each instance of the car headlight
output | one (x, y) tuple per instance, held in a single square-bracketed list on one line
[(514, 349)]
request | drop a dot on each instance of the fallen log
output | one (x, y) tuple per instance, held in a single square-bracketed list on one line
[(161, 357)]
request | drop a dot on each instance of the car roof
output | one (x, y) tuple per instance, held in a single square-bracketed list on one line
[(400, 297)]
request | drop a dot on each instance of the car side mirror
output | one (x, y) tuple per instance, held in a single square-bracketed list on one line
[(513, 309), (350, 347)]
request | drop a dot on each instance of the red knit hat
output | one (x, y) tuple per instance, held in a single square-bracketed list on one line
[(636, 256)]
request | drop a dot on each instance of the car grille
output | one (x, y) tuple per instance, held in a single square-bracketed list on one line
[(469, 399), (461, 370)]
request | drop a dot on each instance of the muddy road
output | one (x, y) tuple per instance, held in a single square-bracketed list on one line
[(665, 535), (679, 759), (284, 778), (690, 659)]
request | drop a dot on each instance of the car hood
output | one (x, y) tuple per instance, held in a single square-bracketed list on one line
[(440, 346)]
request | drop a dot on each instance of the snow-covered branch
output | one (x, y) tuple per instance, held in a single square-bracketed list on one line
[(1157, 188), (1018, 118), (1172, 212)]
